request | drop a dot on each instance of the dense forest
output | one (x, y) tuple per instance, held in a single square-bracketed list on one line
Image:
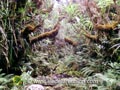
[(59, 44)]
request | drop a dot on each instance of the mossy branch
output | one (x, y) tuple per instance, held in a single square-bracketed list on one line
[(29, 28), (90, 36), (70, 41), (49, 34), (107, 27)]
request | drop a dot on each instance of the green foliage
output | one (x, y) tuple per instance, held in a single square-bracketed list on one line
[(5, 80), (118, 2), (11, 45), (84, 22), (87, 71), (115, 69), (103, 4), (116, 48), (72, 10), (52, 59), (17, 80), (109, 80)]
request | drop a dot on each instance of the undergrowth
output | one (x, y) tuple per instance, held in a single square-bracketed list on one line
[(75, 40)]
